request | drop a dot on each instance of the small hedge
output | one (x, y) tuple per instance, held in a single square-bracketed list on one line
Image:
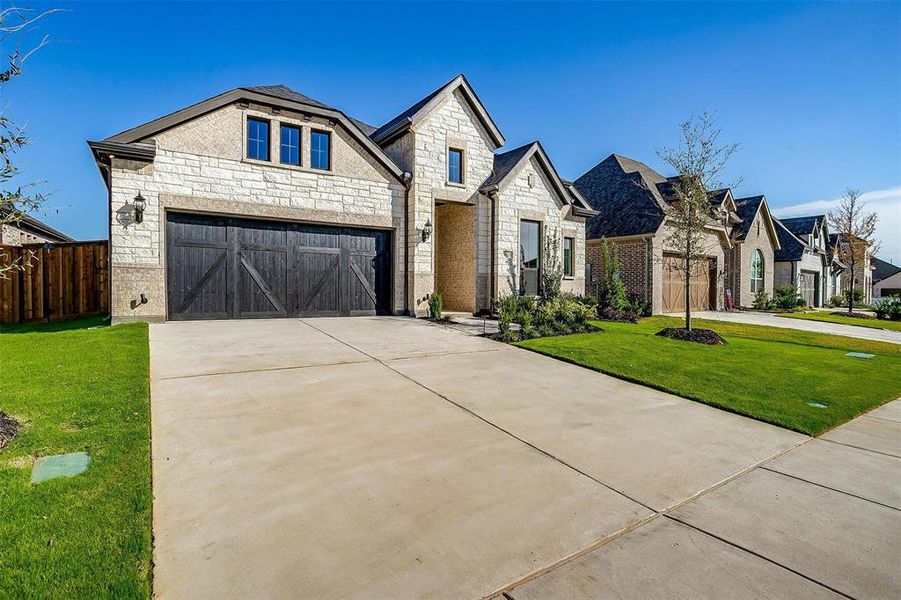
[(563, 314)]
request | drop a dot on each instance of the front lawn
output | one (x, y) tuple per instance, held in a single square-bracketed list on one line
[(767, 373), (845, 320), (74, 389)]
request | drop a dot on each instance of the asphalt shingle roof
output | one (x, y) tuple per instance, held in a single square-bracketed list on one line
[(407, 114), (883, 270), (505, 162), (803, 225), (286, 93), (791, 247), (745, 208), (625, 193)]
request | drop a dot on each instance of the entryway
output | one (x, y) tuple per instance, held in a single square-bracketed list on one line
[(455, 255), (228, 268)]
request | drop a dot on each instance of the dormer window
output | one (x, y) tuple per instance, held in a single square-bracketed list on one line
[(454, 165), (257, 139)]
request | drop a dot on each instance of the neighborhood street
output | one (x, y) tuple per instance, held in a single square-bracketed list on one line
[(388, 457), (772, 320)]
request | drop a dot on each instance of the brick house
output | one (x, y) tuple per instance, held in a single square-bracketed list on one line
[(805, 260), (262, 202), (632, 200)]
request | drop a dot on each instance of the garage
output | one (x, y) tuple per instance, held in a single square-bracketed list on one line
[(231, 268), (702, 295), (807, 287)]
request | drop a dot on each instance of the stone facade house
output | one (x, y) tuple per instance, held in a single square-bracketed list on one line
[(805, 260), (25, 229), (863, 275), (262, 202), (632, 200)]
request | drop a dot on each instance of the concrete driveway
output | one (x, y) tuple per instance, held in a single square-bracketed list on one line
[(773, 320), (392, 458)]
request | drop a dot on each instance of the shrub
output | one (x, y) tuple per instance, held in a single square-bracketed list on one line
[(837, 301), (856, 297), (435, 305), (786, 297), (560, 315), (888, 308), (611, 291), (801, 303), (640, 306), (762, 300)]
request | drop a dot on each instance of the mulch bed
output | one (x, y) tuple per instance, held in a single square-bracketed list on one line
[(856, 315), (700, 336), (9, 428)]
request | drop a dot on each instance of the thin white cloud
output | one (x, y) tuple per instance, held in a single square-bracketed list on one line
[(886, 203)]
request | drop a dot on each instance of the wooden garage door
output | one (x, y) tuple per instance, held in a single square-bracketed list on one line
[(807, 287), (703, 284), (224, 268)]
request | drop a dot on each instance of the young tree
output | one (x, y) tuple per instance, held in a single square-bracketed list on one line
[(698, 161), (15, 201), (856, 238)]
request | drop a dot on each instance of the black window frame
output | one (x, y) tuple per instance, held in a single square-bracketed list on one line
[(460, 168), (267, 146), (569, 266), (328, 154), (281, 144)]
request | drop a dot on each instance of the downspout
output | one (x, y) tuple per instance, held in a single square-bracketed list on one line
[(108, 177), (492, 283), (408, 187)]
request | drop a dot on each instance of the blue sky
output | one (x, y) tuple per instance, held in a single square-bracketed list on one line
[(811, 91)]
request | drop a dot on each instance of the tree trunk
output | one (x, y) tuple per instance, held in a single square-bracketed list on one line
[(688, 286)]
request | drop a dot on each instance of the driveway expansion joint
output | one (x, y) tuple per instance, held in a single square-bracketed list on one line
[(264, 370), (771, 470), (859, 448)]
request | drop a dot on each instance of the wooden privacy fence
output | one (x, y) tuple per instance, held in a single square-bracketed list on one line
[(58, 282)]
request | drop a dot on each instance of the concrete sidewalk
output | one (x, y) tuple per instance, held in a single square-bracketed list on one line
[(393, 458), (772, 320)]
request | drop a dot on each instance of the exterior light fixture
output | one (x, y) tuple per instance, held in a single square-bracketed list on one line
[(427, 230), (140, 204)]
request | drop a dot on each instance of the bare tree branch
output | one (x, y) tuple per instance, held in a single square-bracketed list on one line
[(856, 236)]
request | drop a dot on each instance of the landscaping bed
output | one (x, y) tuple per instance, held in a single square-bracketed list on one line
[(75, 389), (777, 375)]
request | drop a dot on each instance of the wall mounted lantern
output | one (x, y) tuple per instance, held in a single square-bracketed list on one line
[(427, 230), (140, 204)]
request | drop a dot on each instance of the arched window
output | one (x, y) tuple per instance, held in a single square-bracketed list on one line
[(756, 271)]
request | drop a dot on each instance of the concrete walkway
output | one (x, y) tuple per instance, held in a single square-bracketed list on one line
[(392, 458), (772, 320)]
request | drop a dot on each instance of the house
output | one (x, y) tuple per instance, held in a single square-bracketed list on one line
[(863, 272), (803, 260), (25, 229), (886, 279), (263, 202), (632, 200)]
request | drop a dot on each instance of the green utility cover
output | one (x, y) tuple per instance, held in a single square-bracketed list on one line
[(859, 355), (61, 465)]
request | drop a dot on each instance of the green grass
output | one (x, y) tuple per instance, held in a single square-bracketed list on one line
[(767, 373), (85, 323), (843, 320), (76, 390)]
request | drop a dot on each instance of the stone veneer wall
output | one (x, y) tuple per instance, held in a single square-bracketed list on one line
[(455, 256), (199, 167), (452, 124), (537, 202), (634, 264)]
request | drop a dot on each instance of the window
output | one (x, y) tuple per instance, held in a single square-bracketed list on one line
[(320, 150), (756, 271), (290, 145), (257, 139), (530, 256), (758, 227), (454, 165), (569, 245)]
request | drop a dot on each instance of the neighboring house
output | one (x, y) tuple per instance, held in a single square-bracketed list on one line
[(863, 272), (262, 202), (750, 264), (886, 279), (25, 229), (803, 260), (632, 200)]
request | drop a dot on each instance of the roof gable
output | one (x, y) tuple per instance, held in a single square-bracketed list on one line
[(279, 96), (400, 124), (747, 210), (791, 248), (508, 164), (883, 269), (804, 225)]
